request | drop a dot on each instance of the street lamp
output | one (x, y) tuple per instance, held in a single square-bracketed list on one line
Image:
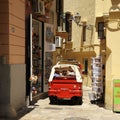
[(77, 18)]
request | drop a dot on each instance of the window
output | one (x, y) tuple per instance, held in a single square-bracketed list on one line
[(68, 25), (84, 32), (59, 10), (85, 65), (101, 34)]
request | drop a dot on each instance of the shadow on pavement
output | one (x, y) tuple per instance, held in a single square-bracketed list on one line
[(65, 102), (32, 105), (24, 111)]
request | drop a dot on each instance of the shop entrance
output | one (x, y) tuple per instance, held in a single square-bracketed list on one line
[(34, 58), (39, 47), (36, 65)]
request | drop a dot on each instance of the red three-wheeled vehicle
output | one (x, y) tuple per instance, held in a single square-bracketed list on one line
[(65, 83)]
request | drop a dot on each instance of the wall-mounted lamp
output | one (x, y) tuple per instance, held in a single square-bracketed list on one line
[(77, 18), (67, 15)]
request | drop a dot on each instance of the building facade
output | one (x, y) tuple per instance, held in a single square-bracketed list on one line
[(12, 56), (110, 13), (17, 60), (96, 34)]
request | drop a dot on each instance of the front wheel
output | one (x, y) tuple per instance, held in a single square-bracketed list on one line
[(77, 100)]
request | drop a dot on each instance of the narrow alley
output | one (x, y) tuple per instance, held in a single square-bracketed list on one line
[(42, 110)]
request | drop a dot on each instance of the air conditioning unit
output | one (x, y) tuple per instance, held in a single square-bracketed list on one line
[(58, 41), (38, 7), (41, 7)]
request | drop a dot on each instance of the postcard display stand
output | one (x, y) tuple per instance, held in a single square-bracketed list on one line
[(97, 80)]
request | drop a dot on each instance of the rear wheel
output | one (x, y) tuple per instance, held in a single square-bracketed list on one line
[(80, 101), (77, 100)]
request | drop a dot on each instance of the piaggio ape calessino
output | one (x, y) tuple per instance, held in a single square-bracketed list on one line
[(65, 83)]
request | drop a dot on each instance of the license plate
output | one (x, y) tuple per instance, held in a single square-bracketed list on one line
[(64, 88), (66, 98)]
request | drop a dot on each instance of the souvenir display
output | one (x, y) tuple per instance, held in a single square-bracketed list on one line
[(97, 79), (36, 58)]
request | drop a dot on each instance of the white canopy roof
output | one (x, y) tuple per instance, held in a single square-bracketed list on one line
[(75, 68)]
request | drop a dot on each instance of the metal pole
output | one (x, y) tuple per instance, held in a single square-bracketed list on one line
[(31, 65)]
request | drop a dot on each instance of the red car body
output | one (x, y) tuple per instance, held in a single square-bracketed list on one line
[(67, 86)]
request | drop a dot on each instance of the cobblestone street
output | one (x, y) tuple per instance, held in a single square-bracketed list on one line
[(42, 110)]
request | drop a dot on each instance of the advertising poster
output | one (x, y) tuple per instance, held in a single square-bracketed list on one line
[(116, 97)]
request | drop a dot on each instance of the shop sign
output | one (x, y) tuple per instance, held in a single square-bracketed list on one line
[(116, 97)]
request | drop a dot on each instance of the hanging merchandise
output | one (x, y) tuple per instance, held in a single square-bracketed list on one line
[(97, 80), (35, 58), (39, 48)]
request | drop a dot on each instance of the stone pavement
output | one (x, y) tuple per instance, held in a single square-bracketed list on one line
[(42, 110)]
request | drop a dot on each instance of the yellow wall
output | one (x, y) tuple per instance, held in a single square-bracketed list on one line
[(87, 15), (81, 50), (112, 45), (113, 59)]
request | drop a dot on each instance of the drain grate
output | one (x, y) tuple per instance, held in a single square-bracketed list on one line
[(53, 108), (75, 118)]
